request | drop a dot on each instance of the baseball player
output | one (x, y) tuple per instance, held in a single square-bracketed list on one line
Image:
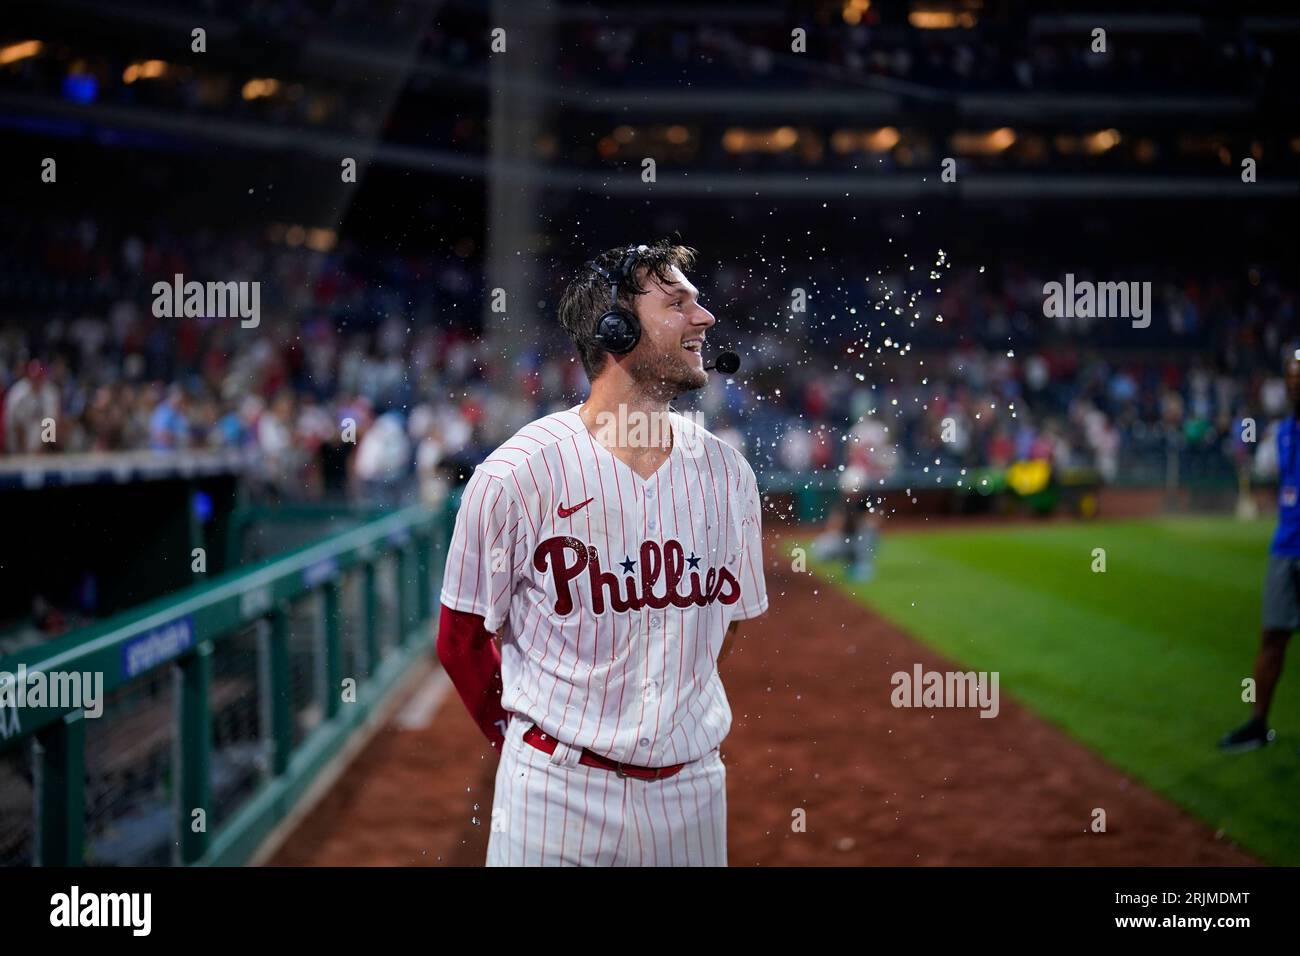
[(853, 527), (612, 550), (1282, 583)]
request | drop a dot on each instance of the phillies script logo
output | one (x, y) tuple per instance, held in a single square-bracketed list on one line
[(567, 558)]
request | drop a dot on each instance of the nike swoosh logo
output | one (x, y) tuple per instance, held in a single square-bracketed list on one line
[(564, 512)]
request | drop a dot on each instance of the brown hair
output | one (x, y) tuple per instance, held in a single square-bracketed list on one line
[(586, 298)]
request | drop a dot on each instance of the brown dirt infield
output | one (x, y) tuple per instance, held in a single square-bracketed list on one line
[(813, 730)]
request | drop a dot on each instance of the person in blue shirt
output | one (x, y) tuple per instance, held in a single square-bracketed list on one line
[(1282, 583), (169, 426)]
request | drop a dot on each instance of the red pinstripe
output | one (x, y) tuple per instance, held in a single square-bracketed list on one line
[(622, 684), (642, 631), (640, 848), (564, 828), (549, 500), (531, 527), (524, 846), (725, 529), (749, 556), (464, 549), (699, 835), (622, 830), (681, 651), (663, 802), (654, 844), (663, 638), (604, 514), (489, 516), (548, 431), (681, 815), (595, 648), (586, 815)]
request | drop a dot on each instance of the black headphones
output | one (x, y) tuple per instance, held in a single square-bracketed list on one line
[(618, 330)]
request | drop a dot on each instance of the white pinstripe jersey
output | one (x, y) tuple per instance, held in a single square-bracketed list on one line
[(611, 593)]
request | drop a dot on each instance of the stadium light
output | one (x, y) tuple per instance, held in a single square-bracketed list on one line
[(737, 140), (20, 51), (321, 240), (144, 70), (880, 140), (941, 19), (984, 144), (1101, 141), (854, 10), (256, 89)]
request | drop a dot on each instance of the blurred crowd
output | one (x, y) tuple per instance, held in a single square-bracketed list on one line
[(367, 372), (332, 390), (843, 42), (982, 53), (444, 57)]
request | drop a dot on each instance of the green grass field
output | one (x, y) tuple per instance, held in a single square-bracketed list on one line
[(1143, 664)]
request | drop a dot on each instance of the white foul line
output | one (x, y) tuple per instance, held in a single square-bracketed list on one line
[(419, 710)]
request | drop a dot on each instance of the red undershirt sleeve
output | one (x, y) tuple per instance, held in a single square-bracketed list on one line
[(472, 661)]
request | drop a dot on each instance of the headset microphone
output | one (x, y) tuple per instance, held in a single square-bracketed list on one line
[(726, 363)]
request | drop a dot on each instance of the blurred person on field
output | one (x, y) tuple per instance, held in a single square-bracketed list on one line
[(852, 531), (1281, 611)]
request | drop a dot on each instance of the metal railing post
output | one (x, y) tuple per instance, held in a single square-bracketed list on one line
[(423, 570), (61, 792), (333, 650), (279, 690), (194, 735), (403, 555), (370, 610)]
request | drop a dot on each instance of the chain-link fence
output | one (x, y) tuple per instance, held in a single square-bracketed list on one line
[(130, 774), (352, 627), (386, 599), (239, 753), (17, 805), (306, 666)]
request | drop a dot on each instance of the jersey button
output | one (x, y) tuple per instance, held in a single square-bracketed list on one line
[(645, 741), (652, 525), (655, 622)]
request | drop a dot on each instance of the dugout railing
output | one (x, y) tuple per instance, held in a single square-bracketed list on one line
[(222, 702)]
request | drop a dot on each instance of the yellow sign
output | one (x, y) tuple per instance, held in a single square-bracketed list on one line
[(1029, 477)]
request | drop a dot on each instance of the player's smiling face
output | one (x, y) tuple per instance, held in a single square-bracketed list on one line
[(669, 358)]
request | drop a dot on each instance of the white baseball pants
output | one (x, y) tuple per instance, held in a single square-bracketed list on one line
[(550, 810)]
